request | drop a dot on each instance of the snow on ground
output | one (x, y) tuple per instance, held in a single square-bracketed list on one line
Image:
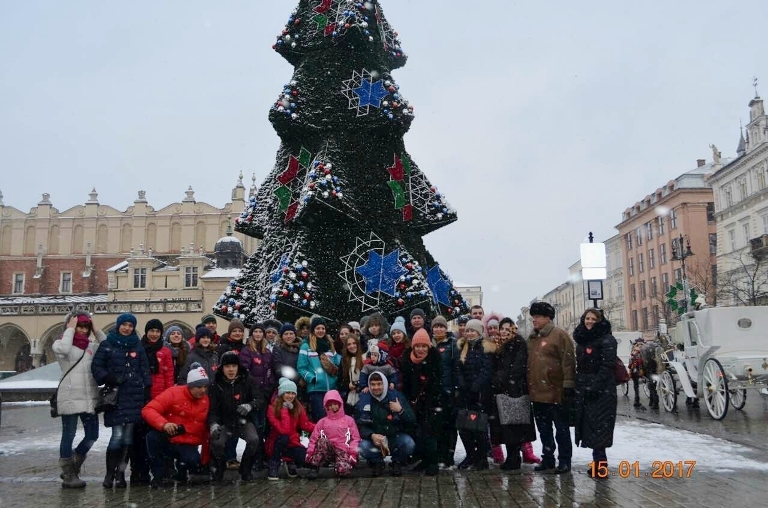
[(633, 441)]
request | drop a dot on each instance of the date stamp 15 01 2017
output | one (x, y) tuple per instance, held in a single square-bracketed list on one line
[(659, 469)]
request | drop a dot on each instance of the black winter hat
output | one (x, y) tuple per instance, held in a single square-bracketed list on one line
[(418, 311), (463, 319), (202, 331), (542, 309), (230, 358), (314, 322), (154, 324)]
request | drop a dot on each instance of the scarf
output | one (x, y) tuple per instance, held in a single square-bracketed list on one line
[(323, 345), (123, 341), (81, 341), (583, 336), (152, 348), (416, 359)]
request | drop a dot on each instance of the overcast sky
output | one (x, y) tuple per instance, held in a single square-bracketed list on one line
[(540, 121)]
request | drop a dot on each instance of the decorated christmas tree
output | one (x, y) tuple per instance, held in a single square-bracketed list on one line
[(342, 215)]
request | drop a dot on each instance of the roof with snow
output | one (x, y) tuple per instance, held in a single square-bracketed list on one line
[(222, 273), (121, 265), (226, 239), (31, 300)]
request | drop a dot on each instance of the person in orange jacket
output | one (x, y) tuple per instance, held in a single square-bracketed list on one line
[(178, 419)]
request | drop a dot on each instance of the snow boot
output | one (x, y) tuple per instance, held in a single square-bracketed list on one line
[(78, 460), (218, 468), (71, 480), (122, 465), (528, 456), (498, 455), (113, 459), (513, 461), (246, 469)]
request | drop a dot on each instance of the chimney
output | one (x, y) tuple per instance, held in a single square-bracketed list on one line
[(700, 162)]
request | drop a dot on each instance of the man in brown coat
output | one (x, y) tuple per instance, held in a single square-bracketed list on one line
[(551, 382)]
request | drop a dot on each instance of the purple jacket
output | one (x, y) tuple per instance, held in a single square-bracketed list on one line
[(259, 366)]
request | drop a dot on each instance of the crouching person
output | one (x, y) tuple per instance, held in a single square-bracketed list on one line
[(178, 418), (334, 440), (384, 418), (287, 418), (233, 398)]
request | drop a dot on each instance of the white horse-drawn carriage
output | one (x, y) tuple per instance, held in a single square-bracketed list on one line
[(721, 352)]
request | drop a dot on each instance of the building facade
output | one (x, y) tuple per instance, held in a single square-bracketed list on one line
[(740, 191), (653, 230)]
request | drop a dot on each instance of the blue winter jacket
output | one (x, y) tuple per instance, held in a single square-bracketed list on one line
[(312, 371)]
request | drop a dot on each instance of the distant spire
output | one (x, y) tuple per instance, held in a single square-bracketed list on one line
[(754, 83), (253, 185), (1, 198), (240, 180), (742, 148)]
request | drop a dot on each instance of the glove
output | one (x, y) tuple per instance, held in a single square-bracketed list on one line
[(288, 405), (569, 393), (244, 409), (215, 431)]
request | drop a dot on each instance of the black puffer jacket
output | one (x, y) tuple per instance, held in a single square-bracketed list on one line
[(422, 384), (510, 377), (595, 385), (206, 358), (474, 375), (226, 395)]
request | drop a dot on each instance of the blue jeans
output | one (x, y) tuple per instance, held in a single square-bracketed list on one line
[(316, 405), (159, 448), (282, 450), (122, 435), (69, 428), (546, 415), (401, 447)]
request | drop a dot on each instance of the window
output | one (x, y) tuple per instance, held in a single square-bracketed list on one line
[(732, 239), (760, 179), (645, 318), (713, 243), (672, 219), (654, 287), (660, 220), (651, 259), (139, 278), (745, 229), (18, 283), (643, 294), (678, 274), (634, 320), (728, 197), (639, 236), (631, 266), (640, 264), (665, 282), (66, 282), (765, 223), (632, 293), (629, 241), (190, 277), (743, 189), (620, 289), (663, 253), (655, 315), (710, 212), (649, 230)]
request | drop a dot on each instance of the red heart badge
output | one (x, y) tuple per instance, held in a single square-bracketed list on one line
[(237, 396), (543, 343), (423, 377), (473, 417), (442, 350), (257, 361), (390, 417), (589, 350), (133, 354)]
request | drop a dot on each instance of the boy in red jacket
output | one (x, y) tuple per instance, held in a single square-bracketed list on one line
[(178, 419)]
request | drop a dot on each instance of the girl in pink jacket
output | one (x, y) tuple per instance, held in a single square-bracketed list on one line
[(334, 440)]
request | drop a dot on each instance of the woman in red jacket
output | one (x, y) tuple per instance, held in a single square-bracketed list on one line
[(287, 418)]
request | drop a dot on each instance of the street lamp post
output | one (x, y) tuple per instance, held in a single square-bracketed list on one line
[(680, 254)]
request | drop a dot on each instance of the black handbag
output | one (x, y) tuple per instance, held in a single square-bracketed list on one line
[(54, 401), (107, 399), (471, 421)]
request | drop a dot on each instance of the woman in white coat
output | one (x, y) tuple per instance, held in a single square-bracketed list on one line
[(77, 394)]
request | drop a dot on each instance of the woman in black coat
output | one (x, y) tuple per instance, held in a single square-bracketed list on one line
[(595, 385), (421, 372), (474, 380), (510, 367), (121, 361)]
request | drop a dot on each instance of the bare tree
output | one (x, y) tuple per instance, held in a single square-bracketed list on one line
[(747, 283), (699, 275)]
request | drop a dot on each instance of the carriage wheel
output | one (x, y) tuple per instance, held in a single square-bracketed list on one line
[(647, 387), (625, 389), (668, 391), (738, 399), (716, 393)]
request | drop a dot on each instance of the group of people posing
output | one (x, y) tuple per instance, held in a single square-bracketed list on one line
[(299, 397)]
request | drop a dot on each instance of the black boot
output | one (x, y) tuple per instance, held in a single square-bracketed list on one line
[(218, 467), (122, 465), (246, 466), (513, 461), (113, 458)]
